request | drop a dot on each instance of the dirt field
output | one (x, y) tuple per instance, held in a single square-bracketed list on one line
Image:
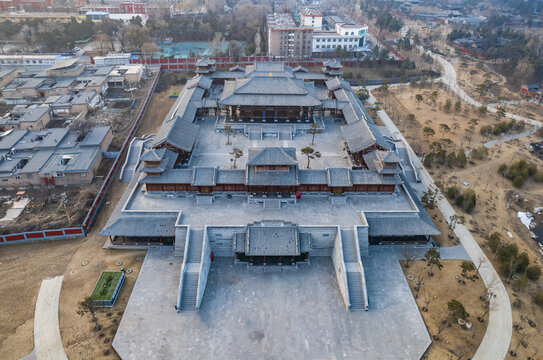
[(400, 101), (26, 265), (454, 342), (497, 200)]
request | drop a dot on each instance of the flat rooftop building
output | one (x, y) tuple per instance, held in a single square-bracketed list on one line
[(233, 173)]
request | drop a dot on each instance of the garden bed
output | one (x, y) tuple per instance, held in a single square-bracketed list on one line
[(107, 288)]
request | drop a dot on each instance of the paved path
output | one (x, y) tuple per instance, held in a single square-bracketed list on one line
[(133, 157), (47, 341), (449, 78), (495, 343)]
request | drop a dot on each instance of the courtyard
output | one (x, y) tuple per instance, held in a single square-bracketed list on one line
[(293, 313)]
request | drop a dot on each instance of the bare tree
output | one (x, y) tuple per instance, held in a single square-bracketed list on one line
[(419, 284), (314, 130), (88, 306), (427, 301), (481, 259), (488, 306), (229, 132), (441, 325), (83, 126), (236, 154), (409, 254)]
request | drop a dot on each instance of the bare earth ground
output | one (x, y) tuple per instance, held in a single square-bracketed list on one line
[(26, 265), (454, 342), (497, 204), (400, 101)]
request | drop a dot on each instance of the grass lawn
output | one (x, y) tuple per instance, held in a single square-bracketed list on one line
[(114, 277)]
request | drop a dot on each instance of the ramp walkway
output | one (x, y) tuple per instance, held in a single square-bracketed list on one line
[(356, 281), (133, 157), (193, 273)]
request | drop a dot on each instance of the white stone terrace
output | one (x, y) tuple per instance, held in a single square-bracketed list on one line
[(309, 210)]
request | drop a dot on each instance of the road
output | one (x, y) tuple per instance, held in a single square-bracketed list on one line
[(495, 343)]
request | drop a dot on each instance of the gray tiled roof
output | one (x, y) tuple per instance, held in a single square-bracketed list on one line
[(272, 178), (334, 64), (230, 176), (203, 82), (272, 156), (237, 68), (339, 177), (366, 177), (180, 133), (394, 226), (171, 176), (313, 177), (132, 225), (205, 62), (336, 83), (203, 176), (153, 155), (269, 91)]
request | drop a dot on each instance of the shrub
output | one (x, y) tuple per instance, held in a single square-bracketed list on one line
[(533, 272), (502, 169), (521, 283), (470, 201), (457, 310), (508, 252), (523, 262), (461, 159), (494, 241), (428, 160), (453, 192), (479, 153), (538, 298), (485, 130), (518, 181)]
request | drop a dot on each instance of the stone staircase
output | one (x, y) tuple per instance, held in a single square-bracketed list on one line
[(349, 247), (354, 271), (190, 289), (255, 132), (356, 292), (190, 270)]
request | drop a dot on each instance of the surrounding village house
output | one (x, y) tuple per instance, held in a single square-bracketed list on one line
[(75, 104), (66, 68), (51, 156), (45, 16), (68, 77), (32, 59), (7, 76), (23, 117)]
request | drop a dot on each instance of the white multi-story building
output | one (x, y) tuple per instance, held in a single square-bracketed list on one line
[(350, 36), (311, 16)]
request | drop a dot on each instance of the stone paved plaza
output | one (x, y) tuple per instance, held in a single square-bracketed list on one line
[(292, 314)]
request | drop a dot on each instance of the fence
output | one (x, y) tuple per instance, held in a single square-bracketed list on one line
[(98, 201), (190, 63), (43, 235), (100, 198)]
